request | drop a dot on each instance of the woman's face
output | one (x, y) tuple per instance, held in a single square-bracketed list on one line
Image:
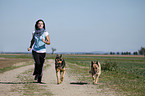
[(40, 25)]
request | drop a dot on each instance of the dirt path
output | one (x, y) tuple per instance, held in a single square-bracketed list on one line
[(9, 82)]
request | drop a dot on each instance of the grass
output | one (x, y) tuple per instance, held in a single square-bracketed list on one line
[(7, 64), (8, 61), (24, 56)]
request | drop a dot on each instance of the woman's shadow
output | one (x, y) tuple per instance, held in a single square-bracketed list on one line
[(20, 82)]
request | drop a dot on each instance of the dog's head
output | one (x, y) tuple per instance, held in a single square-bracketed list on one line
[(94, 62), (59, 58)]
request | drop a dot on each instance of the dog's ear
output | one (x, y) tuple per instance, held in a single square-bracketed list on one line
[(57, 56), (92, 63), (60, 55)]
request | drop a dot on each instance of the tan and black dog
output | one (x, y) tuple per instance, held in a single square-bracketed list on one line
[(95, 70), (60, 68)]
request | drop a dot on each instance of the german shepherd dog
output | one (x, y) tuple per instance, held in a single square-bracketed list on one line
[(95, 70), (60, 68)]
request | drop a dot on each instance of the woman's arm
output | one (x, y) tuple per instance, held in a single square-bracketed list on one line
[(32, 42), (48, 40)]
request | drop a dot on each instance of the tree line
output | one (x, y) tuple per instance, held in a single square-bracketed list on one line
[(141, 51)]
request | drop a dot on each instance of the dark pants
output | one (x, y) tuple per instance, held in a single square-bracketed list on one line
[(39, 59)]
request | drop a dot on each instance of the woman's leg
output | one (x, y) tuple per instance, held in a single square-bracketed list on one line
[(37, 62), (40, 66), (42, 60)]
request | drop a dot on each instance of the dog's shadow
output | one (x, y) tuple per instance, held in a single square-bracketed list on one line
[(79, 83)]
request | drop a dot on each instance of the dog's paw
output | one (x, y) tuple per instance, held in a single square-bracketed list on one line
[(95, 83)]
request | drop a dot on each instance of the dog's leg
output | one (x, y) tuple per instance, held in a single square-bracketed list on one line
[(57, 75), (93, 76), (62, 76), (97, 79)]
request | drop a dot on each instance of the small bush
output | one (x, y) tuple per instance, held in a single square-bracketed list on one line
[(109, 65)]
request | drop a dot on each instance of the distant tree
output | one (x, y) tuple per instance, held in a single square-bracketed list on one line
[(111, 53), (122, 53), (118, 53), (135, 53), (127, 53), (142, 51), (53, 49)]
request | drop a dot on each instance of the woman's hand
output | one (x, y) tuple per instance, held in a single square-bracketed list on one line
[(29, 49), (44, 40), (47, 40)]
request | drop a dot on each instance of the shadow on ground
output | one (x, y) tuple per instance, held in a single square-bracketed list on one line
[(20, 82), (78, 83)]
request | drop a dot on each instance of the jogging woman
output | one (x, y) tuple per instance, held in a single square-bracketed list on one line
[(39, 40)]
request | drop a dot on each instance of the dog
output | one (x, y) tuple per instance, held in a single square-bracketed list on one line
[(95, 70), (60, 68)]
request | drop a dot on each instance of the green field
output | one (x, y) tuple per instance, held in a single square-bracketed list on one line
[(127, 78)]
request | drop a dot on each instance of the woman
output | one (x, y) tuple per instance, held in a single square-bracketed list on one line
[(39, 40)]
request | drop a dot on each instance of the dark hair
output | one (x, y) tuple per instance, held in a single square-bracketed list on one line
[(36, 27)]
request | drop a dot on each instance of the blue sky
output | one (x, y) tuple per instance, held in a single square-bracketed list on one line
[(74, 25)]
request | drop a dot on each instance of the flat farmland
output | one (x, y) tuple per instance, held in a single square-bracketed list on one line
[(128, 77)]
